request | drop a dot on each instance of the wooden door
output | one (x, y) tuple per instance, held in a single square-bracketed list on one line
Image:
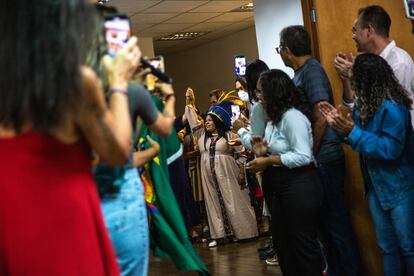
[(331, 33)]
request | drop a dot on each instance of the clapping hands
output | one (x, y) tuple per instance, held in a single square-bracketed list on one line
[(343, 65), (342, 123)]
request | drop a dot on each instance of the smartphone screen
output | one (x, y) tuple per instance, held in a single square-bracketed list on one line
[(235, 112), (409, 8), (117, 33), (158, 63), (240, 65)]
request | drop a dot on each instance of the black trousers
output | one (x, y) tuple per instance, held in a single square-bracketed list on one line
[(294, 197)]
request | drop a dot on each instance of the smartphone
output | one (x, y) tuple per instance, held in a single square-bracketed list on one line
[(409, 8), (158, 63), (117, 32), (240, 65), (235, 112)]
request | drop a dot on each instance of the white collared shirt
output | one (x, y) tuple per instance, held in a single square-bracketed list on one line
[(403, 66), (400, 62)]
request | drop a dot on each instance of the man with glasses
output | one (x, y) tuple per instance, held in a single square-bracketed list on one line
[(371, 35), (311, 78)]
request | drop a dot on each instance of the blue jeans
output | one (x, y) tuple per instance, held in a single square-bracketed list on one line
[(125, 216), (339, 239), (395, 234)]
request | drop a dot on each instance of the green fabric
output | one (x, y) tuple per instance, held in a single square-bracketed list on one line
[(168, 234)]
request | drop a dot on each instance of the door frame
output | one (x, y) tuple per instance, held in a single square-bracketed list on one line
[(307, 9)]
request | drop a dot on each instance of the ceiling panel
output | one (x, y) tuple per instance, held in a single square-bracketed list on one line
[(207, 27), (220, 6), (232, 17), (139, 27), (168, 27), (175, 6), (157, 18), (238, 26), (192, 17), (154, 35), (151, 17), (133, 6)]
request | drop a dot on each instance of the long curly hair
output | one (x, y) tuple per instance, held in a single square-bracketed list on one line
[(374, 82), (280, 94), (43, 45)]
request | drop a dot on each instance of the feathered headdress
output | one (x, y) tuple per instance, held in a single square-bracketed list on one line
[(222, 109)]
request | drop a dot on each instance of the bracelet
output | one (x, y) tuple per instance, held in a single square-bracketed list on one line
[(121, 91), (169, 96)]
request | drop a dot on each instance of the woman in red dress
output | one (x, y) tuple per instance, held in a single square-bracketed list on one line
[(52, 115)]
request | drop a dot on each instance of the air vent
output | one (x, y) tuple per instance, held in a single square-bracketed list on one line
[(182, 36), (245, 8)]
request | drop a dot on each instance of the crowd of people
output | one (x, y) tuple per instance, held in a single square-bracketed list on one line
[(97, 169)]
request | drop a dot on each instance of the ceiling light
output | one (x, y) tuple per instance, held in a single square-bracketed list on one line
[(103, 2), (245, 8), (182, 36)]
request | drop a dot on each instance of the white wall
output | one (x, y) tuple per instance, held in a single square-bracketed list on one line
[(209, 66), (271, 16), (146, 46)]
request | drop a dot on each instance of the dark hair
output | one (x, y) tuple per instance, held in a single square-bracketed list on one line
[(242, 81), (215, 92), (377, 17), (374, 82), (281, 94), (220, 126), (253, 71), (43, 45), (297, 39)]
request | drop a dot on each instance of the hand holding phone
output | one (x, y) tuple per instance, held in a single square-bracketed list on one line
[(157, 63), (117, 32), (120, 68), (235, 112), (240, 65)]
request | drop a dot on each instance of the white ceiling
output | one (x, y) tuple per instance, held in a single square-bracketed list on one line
[(163, 17)]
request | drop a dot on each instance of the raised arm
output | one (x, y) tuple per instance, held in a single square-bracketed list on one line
[(108, 129), (196, 126), (389, 141)]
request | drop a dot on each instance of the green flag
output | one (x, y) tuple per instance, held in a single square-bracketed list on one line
[(168, 232)]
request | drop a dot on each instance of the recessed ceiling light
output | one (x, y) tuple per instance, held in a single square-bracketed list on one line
[(182, 36), (245, 8), (103, 2)]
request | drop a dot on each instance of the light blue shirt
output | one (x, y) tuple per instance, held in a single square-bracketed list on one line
[(291, 138), (257, 123)]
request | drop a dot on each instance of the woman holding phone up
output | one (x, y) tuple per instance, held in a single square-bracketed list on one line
[(120, 187), (52, 115)]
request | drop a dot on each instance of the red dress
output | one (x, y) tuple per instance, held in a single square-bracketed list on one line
[(50, 214)]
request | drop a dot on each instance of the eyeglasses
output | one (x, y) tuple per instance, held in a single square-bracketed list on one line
[(279, 49)]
